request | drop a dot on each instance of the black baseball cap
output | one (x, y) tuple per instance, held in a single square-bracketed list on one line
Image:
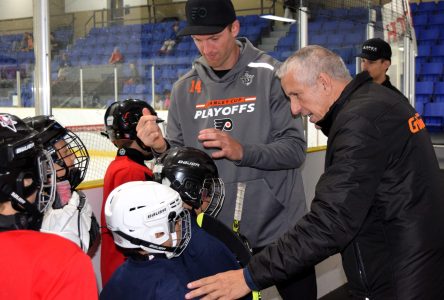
[(207, 16), (374, 49)]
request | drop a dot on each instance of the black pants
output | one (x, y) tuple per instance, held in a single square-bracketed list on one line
[(299, 287)]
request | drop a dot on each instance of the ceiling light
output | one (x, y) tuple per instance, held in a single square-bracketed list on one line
[(276, 18)]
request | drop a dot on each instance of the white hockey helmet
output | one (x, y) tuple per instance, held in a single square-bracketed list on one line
[(144, 214)]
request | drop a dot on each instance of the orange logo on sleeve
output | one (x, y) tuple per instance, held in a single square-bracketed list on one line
[(416, 123)]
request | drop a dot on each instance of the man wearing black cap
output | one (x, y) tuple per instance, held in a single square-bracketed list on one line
[(232, 106), (376, 55)]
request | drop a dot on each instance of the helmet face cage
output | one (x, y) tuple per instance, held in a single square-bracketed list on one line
[(213, 192), (180, 240), (43, 184), (208, 195), (180, 237), (47, 182), (71, 156)]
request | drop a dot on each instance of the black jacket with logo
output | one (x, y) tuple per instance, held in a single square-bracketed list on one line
[(379, 203)]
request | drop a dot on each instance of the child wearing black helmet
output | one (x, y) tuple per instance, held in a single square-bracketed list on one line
[(47, 266), (71, 215), (129, 165)]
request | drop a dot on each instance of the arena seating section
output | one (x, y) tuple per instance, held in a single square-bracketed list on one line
[(140, 44), (428, 22), (326, 27)]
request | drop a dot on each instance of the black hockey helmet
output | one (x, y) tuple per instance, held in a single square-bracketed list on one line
[(193, 174), (23, 158), (66, 149), (121, 118)]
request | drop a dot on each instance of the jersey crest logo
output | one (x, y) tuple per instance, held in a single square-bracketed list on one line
[(223, 124), (8, 122), (247, 78)]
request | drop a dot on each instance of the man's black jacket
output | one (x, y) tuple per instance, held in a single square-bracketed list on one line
[(379, 203)]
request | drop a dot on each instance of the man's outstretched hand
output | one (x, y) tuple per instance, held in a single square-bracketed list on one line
[(227, 285)]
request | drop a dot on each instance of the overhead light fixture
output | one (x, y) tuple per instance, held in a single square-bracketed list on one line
[(276, 18)]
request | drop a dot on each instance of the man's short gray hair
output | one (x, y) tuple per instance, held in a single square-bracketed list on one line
[(307, 63)]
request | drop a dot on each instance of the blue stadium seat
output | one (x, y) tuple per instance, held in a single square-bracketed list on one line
[(335, 40), (251, 19), (424, 88), (330, 26), (340, 13), (437, 50), (429, 37), (358, 13), (424, 50), (128, 89), (353, 38), (352, 69), (413, 7), (182, 71), (424, 92), (437, 54), (419, 20), (439, 91), (345, 26), (314, 27), (140, 89), (253, 33), (320, 39), (426, 7), (285, 55), (345, 54), (434, 115), (436, 19), (431, 71), (288, 41), (419, 106)]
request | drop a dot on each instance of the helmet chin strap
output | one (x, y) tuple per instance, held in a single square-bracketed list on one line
[(73, 176), (145, 148)]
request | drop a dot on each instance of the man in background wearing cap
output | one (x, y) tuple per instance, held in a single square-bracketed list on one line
[(376, 55), (231, 105)]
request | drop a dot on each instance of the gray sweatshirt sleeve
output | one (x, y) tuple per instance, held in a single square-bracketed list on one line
[(287, 147)]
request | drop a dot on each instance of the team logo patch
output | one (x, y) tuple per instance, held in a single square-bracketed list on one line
[(247, 78), (198, 13), (8, 122), (416, 123), (223, 124)]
